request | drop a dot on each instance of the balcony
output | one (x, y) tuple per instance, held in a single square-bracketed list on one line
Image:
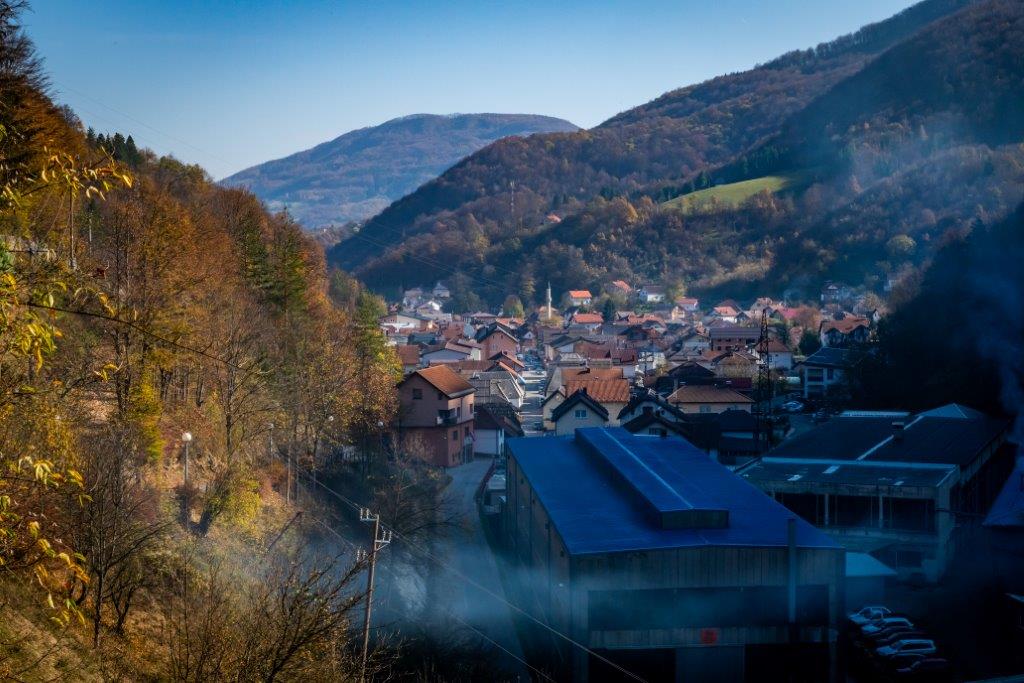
[(447, 419)]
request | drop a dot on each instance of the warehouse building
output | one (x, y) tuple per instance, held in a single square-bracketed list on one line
[(901, 487), (661, 561)]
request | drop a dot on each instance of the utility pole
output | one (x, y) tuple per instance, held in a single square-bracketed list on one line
[(380, 539), (763, 390), (288, 482), (273, 454)]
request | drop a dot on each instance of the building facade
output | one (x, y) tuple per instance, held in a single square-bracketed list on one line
[(663, 562), (896, 486), (436, 415)]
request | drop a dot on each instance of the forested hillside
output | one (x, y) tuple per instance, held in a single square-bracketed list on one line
[(502, 197), (981, 272), (138, 302), (357, 174)]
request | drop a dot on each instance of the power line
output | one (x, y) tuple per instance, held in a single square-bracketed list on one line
[(396, 233), (449, 612), (142, 123), (444, 565), (434, 264), (138, 328), (382, 245)]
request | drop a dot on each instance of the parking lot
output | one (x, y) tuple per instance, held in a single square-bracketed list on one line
[(885, 644)]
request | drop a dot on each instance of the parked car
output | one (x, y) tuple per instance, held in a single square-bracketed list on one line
[(888, 635), (892, 636), (793, 406), (920, 645), (926, 667), (885, 623), (900, 661), (866, 615)]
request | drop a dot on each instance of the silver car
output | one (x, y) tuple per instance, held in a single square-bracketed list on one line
[(900, 647)]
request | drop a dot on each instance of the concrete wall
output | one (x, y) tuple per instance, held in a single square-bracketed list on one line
[(489, 441)]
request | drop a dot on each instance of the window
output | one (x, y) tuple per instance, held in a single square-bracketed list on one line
[(458, 411), (455, 435), (831, 373), (417, 394), (580, 414), (705, 409)]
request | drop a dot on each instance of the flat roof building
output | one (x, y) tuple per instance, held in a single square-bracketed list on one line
[(897, 487), (660, 560)]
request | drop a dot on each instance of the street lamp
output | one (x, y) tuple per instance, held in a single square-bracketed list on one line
[(186, 438)]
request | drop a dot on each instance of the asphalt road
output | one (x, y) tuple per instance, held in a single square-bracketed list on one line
[(531, 411), (468, 551)]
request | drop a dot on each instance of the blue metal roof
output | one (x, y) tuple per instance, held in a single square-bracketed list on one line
[(601, 486), (862, 565)]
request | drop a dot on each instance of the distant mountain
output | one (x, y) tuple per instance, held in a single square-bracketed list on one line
[(359, 173), (607, 185)]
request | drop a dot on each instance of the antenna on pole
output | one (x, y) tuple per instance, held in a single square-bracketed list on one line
[(512, 199)]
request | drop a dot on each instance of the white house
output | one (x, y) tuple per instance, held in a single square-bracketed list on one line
[(652, 294), (491, 428), (579, 410), (580, 297), (825, 368)]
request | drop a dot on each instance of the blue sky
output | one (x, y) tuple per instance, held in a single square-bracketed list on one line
[(230, 84)]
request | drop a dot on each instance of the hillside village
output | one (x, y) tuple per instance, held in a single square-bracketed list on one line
[(727, 387), (764, 388)]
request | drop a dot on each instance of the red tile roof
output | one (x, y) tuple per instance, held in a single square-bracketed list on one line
[(580, 294), (504, 357), (470, 366), (846, 325), (590, 373), (408, 354), (694, 393), (588, 318), (445, 380), (601, 390)]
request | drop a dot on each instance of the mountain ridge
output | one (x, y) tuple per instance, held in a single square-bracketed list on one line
[(354, 175), (646, 153)]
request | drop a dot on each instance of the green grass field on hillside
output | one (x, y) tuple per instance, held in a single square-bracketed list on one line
[(734, 193)]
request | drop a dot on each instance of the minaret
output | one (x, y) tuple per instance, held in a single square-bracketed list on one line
[(549, 301)]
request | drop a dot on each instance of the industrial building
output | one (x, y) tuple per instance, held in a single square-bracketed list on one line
[(661, 561), (898, 486)]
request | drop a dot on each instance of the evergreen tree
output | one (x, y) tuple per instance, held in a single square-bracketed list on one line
[(132, 155), (608, 310)]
